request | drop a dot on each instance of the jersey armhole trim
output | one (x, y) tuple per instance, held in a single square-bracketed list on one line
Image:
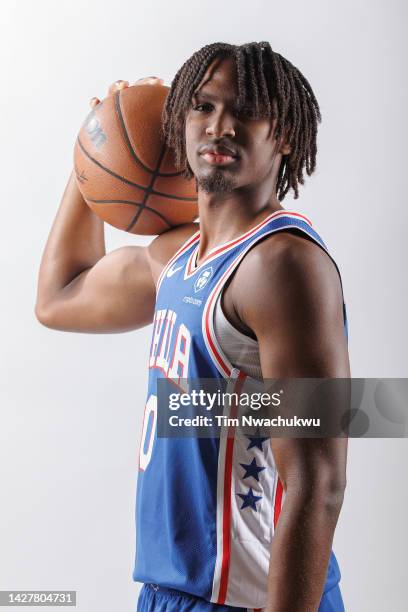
[(218, 308), (214, 349)]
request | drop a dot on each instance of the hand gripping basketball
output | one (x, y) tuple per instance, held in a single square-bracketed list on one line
[(123, 168)]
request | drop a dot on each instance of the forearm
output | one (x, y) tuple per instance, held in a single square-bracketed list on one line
[(300, 551), (76, 242)]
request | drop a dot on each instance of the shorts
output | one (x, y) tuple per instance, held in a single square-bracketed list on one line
[(154, 598)]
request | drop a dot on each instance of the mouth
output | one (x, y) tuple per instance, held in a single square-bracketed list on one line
[(218, 155), (216, 159)]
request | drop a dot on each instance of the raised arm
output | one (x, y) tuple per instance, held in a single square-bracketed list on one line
[(83, 289), (80, 287)]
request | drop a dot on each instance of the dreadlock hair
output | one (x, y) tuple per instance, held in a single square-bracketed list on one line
[(268, 86)]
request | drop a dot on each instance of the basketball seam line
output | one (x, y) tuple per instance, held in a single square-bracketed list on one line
[(153, 178), (149, 208), (129, 144), (131, 183)]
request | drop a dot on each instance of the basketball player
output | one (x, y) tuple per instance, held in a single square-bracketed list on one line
[(249, 293)]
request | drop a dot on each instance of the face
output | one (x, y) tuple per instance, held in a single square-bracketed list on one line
[(227, 149)]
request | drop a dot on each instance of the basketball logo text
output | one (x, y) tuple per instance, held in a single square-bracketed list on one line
[(95, 131)]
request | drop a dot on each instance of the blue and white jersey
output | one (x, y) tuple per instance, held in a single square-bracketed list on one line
[(207, 508)]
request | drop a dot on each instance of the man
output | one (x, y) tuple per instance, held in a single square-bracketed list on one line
[(224, 524)]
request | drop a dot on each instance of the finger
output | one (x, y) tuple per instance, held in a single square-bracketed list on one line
[(94, 102), (152, 80), (117, 85)]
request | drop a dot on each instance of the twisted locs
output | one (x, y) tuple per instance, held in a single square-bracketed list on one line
[(268, 86)]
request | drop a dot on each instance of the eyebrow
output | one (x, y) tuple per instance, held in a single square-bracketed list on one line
[(203, 94), (198, 94)]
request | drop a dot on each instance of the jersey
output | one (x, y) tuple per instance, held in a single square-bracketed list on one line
[(207, 508), (241, 349)]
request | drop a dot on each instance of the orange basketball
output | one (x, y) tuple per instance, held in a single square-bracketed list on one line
[(125, 172)]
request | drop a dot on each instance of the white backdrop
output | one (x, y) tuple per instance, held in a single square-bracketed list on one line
[(71, 404)]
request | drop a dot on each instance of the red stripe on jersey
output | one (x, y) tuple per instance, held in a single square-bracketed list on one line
[(217, 355), (226, 515), (278, 502), (239, 239)]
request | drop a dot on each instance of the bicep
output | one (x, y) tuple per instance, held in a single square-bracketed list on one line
[(117, 294)]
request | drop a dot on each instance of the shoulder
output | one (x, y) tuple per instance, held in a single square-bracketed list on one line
[(285, 256), (164, 246), (283, 275)]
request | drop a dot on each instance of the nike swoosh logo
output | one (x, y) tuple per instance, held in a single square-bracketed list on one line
[(173, 271)]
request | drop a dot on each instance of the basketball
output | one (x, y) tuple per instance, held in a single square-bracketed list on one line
[(125, 172)]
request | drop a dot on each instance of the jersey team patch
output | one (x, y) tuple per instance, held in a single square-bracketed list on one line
[(203, 279)]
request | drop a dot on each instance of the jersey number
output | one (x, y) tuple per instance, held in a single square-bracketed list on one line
[(148, 432)]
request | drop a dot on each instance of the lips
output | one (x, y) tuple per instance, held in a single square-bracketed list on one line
[(218, 154), (218, 150)]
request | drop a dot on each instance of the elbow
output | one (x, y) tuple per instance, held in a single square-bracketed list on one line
[(334, 496), (323, 492), (330, 493), (44, 315)]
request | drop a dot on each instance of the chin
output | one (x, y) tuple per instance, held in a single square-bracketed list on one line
[(215, 182)]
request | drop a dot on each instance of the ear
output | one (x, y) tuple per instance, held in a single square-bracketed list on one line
[(285, 147)]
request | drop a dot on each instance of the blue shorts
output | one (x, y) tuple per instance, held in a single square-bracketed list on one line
[(153, 598)]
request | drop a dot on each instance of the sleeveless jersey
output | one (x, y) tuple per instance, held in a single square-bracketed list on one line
[(207, 508), (241, 349)]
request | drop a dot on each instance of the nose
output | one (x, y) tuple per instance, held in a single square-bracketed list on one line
[(220, 126)]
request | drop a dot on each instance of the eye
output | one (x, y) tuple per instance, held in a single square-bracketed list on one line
[(203, 107)]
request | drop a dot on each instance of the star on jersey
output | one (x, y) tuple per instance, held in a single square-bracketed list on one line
[(249, 500), (252, 469), (256, 441)]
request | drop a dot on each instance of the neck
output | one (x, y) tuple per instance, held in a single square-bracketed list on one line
[(224, 216)]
